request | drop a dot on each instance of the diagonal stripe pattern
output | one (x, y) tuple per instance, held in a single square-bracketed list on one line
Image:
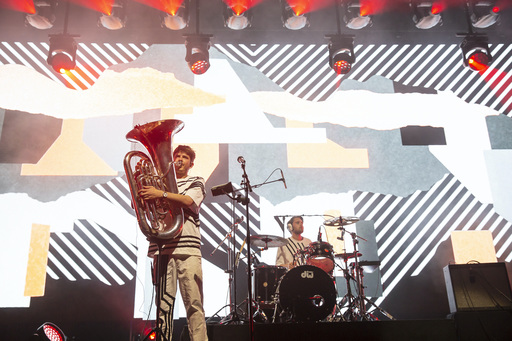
[(303, 70), (90, 252), (409, 230), (91, 60)]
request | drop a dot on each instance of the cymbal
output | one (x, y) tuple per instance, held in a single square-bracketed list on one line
[(348, 255), (265, 240), (341, 221)]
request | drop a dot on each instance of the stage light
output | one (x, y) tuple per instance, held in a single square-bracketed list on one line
[(295, 15), (237, 15), (355, 16), (341, 54), (475, 52), (197, 57), (48, 332), (177, 17), (116, 19), (62, 54), (426, 14), (483, 13), (43, 16)]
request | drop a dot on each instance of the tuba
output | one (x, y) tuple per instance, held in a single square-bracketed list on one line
[(158, 220)]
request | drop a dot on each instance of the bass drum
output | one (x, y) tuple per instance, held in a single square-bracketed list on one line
[(307, 293)]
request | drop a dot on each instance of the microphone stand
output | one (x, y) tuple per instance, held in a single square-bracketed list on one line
[(246, 185)]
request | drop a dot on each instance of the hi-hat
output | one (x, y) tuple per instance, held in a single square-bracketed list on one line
[(341, 221), (265, 241), (348, 255)]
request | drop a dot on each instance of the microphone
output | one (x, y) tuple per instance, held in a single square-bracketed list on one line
[(178, 163), (282, 178), (239, 220), (320, 234), (241, 160)]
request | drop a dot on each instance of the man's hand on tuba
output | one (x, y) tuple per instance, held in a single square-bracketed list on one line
[(150, 193)]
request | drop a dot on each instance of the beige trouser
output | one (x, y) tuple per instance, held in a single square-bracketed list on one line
[(187, 271)]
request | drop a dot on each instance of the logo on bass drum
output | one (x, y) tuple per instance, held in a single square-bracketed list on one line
[(307, 274)]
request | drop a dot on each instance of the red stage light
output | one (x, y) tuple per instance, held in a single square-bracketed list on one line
[(300, 7), (437, 7), (238, 6), (52, 333), (342, 67), (478, 61), (152, 335), (26, 6), (200, 67), (495, 9)]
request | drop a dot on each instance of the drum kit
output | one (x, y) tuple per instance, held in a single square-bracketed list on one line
[(307, 291)]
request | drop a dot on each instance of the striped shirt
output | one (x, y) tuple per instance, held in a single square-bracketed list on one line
[(285, 254), (189, 240)]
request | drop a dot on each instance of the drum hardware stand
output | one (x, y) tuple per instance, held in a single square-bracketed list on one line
[(354, 302), (233, 316), (360, 300)]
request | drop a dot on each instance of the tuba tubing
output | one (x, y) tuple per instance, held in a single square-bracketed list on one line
[(157, 219)]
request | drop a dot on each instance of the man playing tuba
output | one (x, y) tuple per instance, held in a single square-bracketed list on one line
[(181, 256)]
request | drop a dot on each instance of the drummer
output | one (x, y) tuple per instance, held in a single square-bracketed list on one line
[(296, 244)]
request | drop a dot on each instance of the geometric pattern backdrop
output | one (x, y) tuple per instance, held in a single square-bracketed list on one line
[(410, 229), (302, 70)]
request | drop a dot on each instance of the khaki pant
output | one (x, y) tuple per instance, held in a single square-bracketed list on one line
[(187, 271)]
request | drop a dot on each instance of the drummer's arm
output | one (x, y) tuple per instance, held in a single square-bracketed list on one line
[(280, 259)]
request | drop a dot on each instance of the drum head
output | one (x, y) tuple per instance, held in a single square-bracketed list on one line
[(307, 293)]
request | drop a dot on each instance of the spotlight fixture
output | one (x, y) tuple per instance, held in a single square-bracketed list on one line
[(356, 16), (475, 52), (483, 13), (295, 14), (43, 16), (62, 54), (237, 15), (341, 53), (48, 332), (198, 57), (116, 19), (176, 18), (426, 14)]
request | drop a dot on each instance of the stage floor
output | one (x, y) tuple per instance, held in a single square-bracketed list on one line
[(464, 326)]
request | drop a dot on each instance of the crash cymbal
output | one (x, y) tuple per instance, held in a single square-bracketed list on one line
[(265, 240), (348, 255), (341, 221)]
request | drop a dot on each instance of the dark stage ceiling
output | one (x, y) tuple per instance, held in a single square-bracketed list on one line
[(392, 25)]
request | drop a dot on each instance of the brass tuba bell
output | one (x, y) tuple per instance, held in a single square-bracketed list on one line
[(158, 220)]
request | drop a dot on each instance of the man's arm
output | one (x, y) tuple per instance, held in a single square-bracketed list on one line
[(151, 193)]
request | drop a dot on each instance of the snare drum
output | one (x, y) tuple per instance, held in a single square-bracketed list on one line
[(265, 281), (321, 255)]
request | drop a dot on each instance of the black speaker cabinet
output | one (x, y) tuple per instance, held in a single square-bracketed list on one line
[(473, 287)]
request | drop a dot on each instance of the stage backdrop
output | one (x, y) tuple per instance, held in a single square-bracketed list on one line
[(406, 148)]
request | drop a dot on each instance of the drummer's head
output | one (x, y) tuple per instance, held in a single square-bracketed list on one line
[(295, 225)]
